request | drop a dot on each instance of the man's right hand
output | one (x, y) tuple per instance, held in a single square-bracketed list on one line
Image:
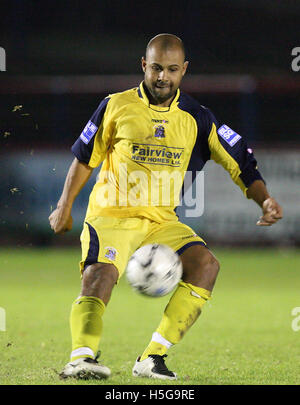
[(61, 220), (78, 175)]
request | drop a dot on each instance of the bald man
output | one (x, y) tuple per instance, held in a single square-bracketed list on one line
[(136, 135)]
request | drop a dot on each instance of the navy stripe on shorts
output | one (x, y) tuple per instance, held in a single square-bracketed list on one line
[(93, 253), (183, 248)]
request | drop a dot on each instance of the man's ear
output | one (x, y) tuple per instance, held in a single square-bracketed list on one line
[(144, 63), (185, 65)]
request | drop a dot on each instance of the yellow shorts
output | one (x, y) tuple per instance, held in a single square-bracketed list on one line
[(114, 240)]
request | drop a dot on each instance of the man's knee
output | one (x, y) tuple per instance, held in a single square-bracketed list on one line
[(210, 262), (100, 271), (98, 280), (200, 267)]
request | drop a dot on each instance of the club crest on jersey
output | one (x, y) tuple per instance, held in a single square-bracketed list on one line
[(110, 253), (160, 130), (89, 131), (228, 135)]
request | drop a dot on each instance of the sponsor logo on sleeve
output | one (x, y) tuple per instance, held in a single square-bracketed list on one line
[(89, 131), (228, 135)]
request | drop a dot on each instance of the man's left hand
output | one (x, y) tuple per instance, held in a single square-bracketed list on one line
[(272, 212)]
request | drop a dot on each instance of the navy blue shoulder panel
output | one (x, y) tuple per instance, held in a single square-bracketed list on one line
[(83, 147), (204, 119), (96, 118), (201, 153)]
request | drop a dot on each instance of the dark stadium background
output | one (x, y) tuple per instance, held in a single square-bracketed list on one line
[(62, 58)]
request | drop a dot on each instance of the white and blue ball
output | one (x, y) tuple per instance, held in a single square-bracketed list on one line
[(154, 270)]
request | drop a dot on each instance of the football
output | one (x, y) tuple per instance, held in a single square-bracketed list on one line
[(154, 270)]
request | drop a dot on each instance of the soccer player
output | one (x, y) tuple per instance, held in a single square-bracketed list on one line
[(137, 135)]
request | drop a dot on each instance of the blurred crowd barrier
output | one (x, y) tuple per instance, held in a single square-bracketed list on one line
[(52, 110), (30, 186)]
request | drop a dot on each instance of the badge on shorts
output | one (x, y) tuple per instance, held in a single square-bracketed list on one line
[(228, 135), (110, 253), (89, 131)]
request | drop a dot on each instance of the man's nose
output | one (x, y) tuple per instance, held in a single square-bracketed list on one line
[(163, 75)]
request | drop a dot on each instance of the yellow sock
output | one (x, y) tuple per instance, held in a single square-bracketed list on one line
[(154, 348), (181, 312), (86, 326)]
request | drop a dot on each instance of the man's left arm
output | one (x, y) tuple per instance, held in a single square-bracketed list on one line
[(231, 151), (271, 210)]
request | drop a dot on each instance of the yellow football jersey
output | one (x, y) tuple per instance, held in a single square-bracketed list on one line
[(147, 150)]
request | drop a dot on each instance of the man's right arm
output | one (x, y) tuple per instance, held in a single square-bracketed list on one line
[(78, 175), (90, 150)]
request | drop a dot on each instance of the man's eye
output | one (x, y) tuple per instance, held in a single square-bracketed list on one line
[(155, 68), (173, 69)]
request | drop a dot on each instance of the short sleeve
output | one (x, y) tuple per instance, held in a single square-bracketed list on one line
[(94, 141), (230, 149)]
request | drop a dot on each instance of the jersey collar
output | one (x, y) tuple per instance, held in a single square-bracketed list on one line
[(144, 98)]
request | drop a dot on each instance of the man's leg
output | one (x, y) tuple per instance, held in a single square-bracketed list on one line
[(200, 270), (98, 281)]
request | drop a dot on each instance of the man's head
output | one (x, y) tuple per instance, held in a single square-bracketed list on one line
[(164, 66)]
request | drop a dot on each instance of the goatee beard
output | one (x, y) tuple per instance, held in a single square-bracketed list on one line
[(161, 99), (155, 98)]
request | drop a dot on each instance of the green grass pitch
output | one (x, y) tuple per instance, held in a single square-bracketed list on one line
[(244, 335)]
